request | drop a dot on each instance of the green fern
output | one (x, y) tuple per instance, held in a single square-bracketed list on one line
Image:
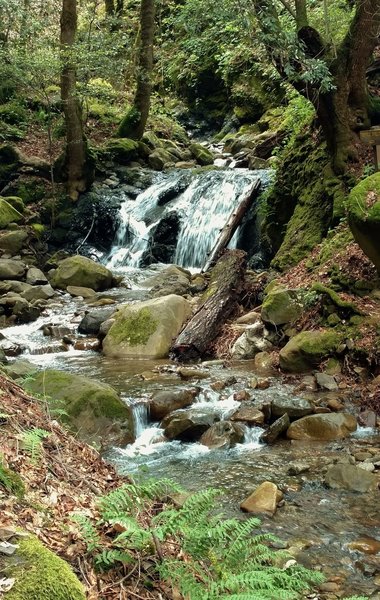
[(88, 532), (107, 559), (31, 440)]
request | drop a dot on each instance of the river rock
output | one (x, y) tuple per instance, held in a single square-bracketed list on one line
[(35, 276), (83, 272), (13, 286), (275, 430), (13, 241), (249, 414), (306, 350), (8, 214), (203, 156), (250, 342), (19, 369), (171, 280), (223, 435), (350, 477), (249, 318), (10, 348), (11, 268), (160, 158), (332, 426), (166, 401), (187, 426), (146, 329), (294, 407), (92, 321), (366, 545), (326, 382), (367, 418), (92, 408), (86, 344), (84, 292), (280, 307), (39, 292), (264, 499)]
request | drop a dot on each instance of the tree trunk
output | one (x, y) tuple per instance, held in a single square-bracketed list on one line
[(77, 167), (220, 302), (110, 7), (133, 124)]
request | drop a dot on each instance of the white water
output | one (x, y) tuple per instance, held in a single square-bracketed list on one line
[(203, 203)]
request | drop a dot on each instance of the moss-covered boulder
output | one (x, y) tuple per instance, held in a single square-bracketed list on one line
[(39, 574), (146, 329), (8, 214), (91, 408), (13, 241), (82, 272), (280, 307), (159, 158), (16, 202), (123, 150), (306, 349), (363, 208), (202, 155)]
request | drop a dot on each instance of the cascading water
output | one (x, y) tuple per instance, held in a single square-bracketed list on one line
[(202, 202)]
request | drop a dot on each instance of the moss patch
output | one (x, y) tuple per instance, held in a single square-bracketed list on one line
[(123, 150), (40, 575), (8, 214), (135, 328), (306, 349), (11, 480)]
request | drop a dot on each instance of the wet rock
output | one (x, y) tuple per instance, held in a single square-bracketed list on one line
[(56, 331), (160, 158), (192, 373), (264, 499), (19, 369), (202, 155), (35, 276), (241, 395), (263, 384), (10, 348), (349, 477), (146, 329), (335, 405), (306, 349), (11, 268), (186, 426), (92, 408), (171, 280), (275, 430), (249, 414), (91, 322), (326, 382), (367, 418), (84, 292), (88, 344), (297, 468), (223, 435), (166, 401), (263, 361), (39, 292), (366, 545), (307, 383), (294, 407), (162, 242), (83, 272), (331, 426)]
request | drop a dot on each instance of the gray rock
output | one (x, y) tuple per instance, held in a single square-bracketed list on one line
[(294, 407), (166, 401), (223, 435), (10, 348), (251, 342), (38, 292), (11, 268), (297, 468), (92, 321), (13, 241), (20, 369), (326, 382), (14, 286), (187, 426), (275, 430), (35, 276), (350, 477)]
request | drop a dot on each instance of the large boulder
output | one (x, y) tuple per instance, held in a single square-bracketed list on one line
[(166, 401), (92, 408), (38, 573), (187, 426), (13, 241), (146, 329), (201, 154), (325, 426), (280, 307), (363, 208), (172, 280), (294, 407), (306, 350), (223, 435), (8, 214), (83, 272), (11, 268)]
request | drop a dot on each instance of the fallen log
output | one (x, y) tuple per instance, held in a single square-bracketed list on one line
[(219, 302), (232, 224)]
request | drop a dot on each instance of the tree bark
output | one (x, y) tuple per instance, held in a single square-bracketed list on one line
[(76, 163), (219, 304), (110, 8), (133, 124), (232, 224)]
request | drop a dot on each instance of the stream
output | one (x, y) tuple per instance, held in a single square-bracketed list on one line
[(314, 522)]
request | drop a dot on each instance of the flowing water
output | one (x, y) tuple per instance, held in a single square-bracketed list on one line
[(320, 521)]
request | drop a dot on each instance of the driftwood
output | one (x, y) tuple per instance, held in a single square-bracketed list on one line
[(220, 301), (232, 224)]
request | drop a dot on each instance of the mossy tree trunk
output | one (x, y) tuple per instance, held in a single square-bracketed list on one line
[(133, 124), (343, 109), (77, 166)]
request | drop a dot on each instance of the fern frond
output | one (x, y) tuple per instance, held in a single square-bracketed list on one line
[(108, 558), (31, 441), (88, 532)]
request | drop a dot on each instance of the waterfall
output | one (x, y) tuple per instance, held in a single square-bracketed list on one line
[(200, 203), (140, 417)]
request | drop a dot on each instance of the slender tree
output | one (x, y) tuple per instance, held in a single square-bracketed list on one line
[(133, 124), (339, 93), (77, 166)]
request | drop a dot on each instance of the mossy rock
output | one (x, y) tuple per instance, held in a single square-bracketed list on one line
[(10, 480), (128, 123), (280, 307), (202, 155), (343, 307), (16, 202), (151, 140), (160, 158), (146, 329), (82, 272), (363, 208), (91, 408), (39, 574), (13, 241), (123, 150), (8, 214), (307, 349)]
